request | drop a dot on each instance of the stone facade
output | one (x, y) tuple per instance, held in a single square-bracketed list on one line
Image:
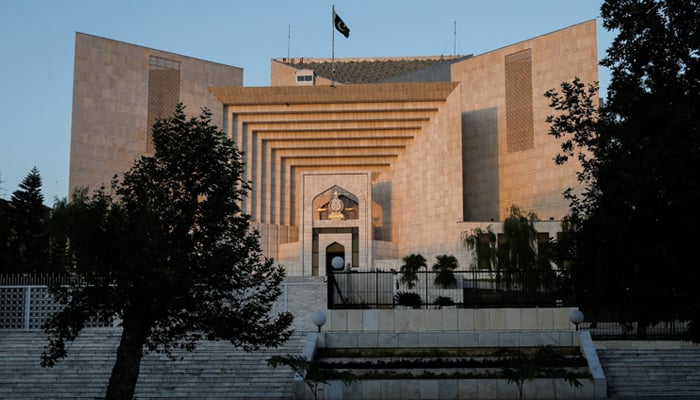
[(496, 176), (416, 160), (112, 84)]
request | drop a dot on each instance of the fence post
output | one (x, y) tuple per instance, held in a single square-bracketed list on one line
[(27, 307), (376, 288), (426, 287)]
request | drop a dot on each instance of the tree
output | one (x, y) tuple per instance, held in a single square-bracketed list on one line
[(2, 189), (27, 240), (518, 258), (445, 266), (517, 253), (5, 248), (409, 270), (640, 169), (60, 216), (168, 253), (482, 243)]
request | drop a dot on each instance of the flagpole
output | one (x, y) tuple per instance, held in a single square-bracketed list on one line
[(333, 47)]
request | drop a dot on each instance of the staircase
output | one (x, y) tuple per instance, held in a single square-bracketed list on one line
[(652, 373), (215, 370)]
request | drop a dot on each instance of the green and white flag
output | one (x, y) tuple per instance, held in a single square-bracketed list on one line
[(340, 25)]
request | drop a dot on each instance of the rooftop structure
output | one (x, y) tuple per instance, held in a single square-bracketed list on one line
[(377, 70)]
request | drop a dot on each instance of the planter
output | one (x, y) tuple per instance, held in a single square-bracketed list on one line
[(487, 389), (438, 373)]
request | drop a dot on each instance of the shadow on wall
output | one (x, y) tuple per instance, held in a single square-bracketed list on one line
[(381, 210), (480, 195)]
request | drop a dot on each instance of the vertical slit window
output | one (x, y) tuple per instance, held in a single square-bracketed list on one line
[(520, 134), (163, 92)]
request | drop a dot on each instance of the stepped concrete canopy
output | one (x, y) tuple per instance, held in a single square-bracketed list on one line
[(400, 156)]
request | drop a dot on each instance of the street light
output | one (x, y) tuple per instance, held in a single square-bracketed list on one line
[(318, 318), (576, 317), (337, 263)]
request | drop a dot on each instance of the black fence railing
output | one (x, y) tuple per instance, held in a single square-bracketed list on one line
[(470, 289), (33, 279), (604, 330)]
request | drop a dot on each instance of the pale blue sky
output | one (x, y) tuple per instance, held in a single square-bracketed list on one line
[(37, 49)]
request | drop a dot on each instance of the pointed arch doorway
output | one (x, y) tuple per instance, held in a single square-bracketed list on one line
[(330, 245), (335, 257)]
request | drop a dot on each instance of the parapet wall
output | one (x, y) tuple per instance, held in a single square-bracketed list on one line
[(463, 319)]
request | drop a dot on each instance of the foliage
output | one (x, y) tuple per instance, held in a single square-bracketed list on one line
[(6, 250), (313, 376), (169, 253), (409, 270), (521, 367), (443, 301), (482, 242), (547, 357), (517, 365), (24, 238), (640, 174), (445, 266), (517, 255), (408, 299), (517, 259)]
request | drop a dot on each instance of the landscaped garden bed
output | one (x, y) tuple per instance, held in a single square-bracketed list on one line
[(517, 372), (456, 363)]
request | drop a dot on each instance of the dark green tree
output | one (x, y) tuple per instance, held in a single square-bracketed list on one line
[(482, 243), (444, 266), (517, 254), (409, 270), (169, 254), (27, 241), (59, 255), (6, 249), (640, 158)]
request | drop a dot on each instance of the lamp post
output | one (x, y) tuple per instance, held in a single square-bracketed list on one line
[(576, 317), (337, 263), (318, 318)]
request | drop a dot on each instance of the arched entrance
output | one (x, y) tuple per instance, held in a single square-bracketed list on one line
[(336, 210), (334, 250)]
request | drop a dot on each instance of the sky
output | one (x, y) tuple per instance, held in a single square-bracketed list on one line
[(37, 41)]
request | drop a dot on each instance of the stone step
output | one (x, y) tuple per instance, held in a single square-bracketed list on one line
[(632, 359), (652, 372), (215, 370)]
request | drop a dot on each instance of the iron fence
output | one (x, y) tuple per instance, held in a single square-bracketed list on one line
[(608, 330), (471, 288), (26, 302)]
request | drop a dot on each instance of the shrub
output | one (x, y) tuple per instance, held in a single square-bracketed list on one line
[(410, 299)]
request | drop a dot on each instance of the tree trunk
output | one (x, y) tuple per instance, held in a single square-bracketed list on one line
[(125, 372)]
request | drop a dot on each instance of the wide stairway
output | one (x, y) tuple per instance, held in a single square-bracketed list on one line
[(215, 370), (653, 373)]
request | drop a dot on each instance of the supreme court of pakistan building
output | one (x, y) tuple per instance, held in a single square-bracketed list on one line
[(380, 159)]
